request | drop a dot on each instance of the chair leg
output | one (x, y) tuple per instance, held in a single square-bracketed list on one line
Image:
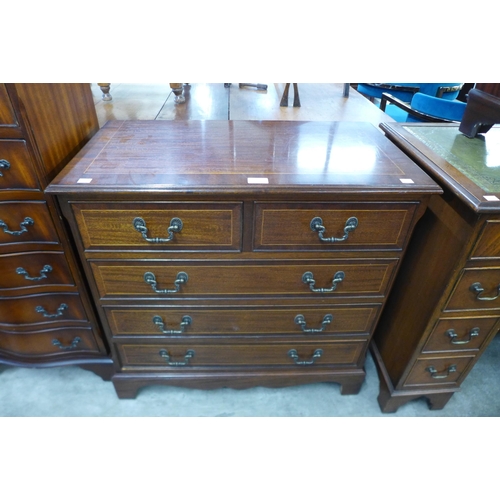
[(284, 97), (296, 98)]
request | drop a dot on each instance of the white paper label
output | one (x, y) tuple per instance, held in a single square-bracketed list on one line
[(491, 198), (83, 181), (258, 180), (407, 181)]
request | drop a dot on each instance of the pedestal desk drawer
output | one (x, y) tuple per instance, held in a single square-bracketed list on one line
[(460, 334), (41, 308), (25, 222), (160, 226), (16, 168), (311, 226), (433, 371), (477, 289), (192, 321), (185, 355), (34, 269), (49, 342), (209, 279)]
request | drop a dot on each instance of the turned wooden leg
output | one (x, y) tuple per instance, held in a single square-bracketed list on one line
[(177, 90), (105, 87)]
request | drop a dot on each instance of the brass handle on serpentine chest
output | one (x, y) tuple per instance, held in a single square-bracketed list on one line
[(435, 374), (166, 356), (28, 221), (181, 278), (301, 321), (4, 164), (451, 333), (292, 353), (59, 312), (308, 279), (478, 290), (317, 225), (175, 227), (73, 344), (186, 320), (45, 269)]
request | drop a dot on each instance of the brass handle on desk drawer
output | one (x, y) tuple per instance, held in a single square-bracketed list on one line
[(478, 290), (45, 269), (308, 279), (186, 320), (5, 165), (59, 311), (292, 353), (317, 225), (434, 372), (175, 227), (189, 354), (73, 344), (451, 333), (301, 321), (181, 278), (28, 221)]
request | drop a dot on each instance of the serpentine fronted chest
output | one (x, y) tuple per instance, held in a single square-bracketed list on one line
[(240, 253)]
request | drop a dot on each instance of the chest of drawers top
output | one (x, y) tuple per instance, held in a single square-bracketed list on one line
[(244, 159)]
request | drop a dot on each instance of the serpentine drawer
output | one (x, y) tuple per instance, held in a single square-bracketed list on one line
[(16, 167)]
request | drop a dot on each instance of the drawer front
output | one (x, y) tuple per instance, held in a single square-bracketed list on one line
[(50, 342), (7, 115), (40, 309), (33, 270), (476, 289), (265, 279), (460, 334), (16, 168), (186, 355), (203, 226), (26, 222), (296, 226), (249, 321), (439, 371), (488, 243)]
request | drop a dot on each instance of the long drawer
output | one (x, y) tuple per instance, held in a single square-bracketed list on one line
[(248, 278), (250, 321), (191, 354)]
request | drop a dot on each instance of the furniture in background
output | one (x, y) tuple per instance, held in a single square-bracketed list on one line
[(240, 253), (482, 112), (445, 305), (176, 88), (46, 317)]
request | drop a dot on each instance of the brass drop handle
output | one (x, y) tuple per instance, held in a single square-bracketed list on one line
[(478, 290), (435, 374), (166, 356), (292, 353), (73, 344), (4, 164), (28, 221), (308, 279), (175, 227), (59, 312), (300, 320), (43, 273), (317, 225), (186, 320), (474, 332), (181, 279)]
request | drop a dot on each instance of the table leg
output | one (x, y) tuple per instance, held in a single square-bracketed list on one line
[(177, 90), (105, 87)]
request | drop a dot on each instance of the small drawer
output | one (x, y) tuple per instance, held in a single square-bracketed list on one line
[(160, 226), (300, 355), (459, 334), (17, 171), (488, 242), (25, 222), (34, 270), (7, 115), (438, 371), (266, 321), (49, 342), (330, 226), (40, 309), (243, 278), (476, 289)]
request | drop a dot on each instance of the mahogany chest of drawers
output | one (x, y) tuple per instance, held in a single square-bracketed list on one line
[(240, 253), (46, 316), (445, 305)]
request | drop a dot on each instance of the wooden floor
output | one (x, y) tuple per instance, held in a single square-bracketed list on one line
[(212, 101)]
